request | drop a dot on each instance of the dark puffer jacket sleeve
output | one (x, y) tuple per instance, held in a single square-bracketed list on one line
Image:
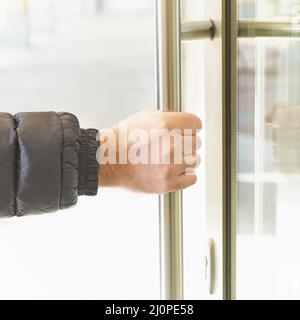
[(46, 161)]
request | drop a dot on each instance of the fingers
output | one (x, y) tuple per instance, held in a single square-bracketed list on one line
[(179, 182), (188, 178), (188, 167), (184, 181), (169, 143), (192, 161), (187, 123), (190, 144), (184, 146)]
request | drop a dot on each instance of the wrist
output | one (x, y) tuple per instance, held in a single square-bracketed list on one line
[(109, 173), (107, 176)]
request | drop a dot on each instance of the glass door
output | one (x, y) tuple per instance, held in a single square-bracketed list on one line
[(191, 78), (245, 86), (268, 158), (252, 157), (208, 86)]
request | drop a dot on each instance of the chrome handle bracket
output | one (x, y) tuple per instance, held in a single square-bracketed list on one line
[(197, 30)]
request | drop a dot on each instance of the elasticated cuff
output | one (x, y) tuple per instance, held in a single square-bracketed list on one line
[(88, 164)]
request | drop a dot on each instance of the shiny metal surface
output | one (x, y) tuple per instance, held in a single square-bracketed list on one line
[(255, 28), (169, 99), (197, 30), (230, 145)]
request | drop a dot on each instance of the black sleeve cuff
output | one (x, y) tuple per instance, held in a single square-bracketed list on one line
[(88, 164)]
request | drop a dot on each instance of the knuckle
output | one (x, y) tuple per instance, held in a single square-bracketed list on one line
[(164, 123), (198, 143), (190, 160), (164, 120), (192, 118), (197, 121), (194, 180), (185, 116), (198, 160)]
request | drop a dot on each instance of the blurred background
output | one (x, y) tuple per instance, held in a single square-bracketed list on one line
[(72, 53), (95, 59)]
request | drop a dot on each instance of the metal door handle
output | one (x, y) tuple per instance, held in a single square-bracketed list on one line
[(209, 266), (198, 30), (169, 40), (171, 32), (279, 29), (169, 99)]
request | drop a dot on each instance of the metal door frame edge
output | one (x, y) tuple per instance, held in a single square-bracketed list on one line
[(230, 58)]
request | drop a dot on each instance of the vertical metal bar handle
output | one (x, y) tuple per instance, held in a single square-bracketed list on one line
[(169, 99)]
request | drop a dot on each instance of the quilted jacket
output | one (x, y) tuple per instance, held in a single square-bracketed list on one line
[(46, 162)]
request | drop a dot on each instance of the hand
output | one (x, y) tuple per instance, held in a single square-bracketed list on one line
[(151, 152)]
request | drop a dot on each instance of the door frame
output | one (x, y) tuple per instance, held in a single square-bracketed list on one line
[(221, 145), (230, 80)]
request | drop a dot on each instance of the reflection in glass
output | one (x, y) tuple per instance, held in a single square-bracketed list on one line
[(268, 262)]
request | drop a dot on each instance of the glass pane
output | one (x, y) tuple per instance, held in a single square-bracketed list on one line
[(194, 220), (96, 59), (268, 259)]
